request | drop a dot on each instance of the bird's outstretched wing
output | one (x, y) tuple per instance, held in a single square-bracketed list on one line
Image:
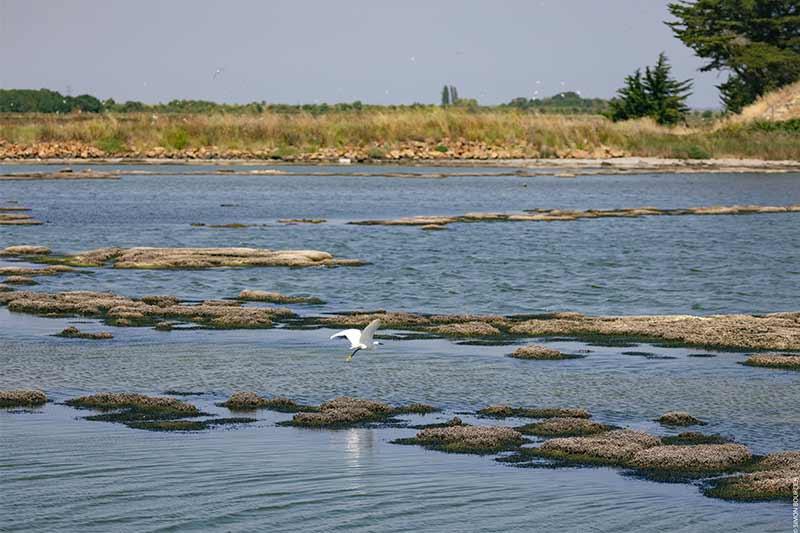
[(353, 335), (369, 331)]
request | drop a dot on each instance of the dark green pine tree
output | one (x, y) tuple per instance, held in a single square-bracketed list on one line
[(756, 41), (445, 96), (666, 95), (631, 100), (655, 94)]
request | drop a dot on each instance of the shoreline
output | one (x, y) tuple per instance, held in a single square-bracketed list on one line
[(559, 167)]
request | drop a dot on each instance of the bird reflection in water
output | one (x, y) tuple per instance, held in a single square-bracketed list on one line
[(357, 443)]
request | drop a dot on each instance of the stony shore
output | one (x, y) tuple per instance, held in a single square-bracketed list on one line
[(568, 164)]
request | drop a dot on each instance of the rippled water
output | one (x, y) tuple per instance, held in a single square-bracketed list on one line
[(59, 472)]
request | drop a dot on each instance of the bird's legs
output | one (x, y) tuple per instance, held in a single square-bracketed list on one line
[(350, 357)]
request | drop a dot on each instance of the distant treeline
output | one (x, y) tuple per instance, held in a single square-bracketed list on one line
[(567, 102), (47, 101)]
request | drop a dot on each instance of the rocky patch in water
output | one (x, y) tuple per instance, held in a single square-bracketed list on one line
[(773, 477), (563, 427), (534, 351), (774, 360), (192, 258), (24, 249), (558, 215), (345, 412), (506, 411), (467, 439), (18, 219), (22, 398), (123, 311), (277, 298), (249, 401), (679, 418), (693, 437), (72, 332)]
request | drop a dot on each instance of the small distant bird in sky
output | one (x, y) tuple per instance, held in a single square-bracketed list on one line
[(360, 340), (217, 73)]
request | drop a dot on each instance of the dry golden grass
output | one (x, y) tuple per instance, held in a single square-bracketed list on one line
[(532, 135), (783, 104)]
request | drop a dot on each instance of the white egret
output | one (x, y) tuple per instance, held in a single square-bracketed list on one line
[(360, 340)]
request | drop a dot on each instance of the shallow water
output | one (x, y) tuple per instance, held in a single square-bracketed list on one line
[(60, 472)]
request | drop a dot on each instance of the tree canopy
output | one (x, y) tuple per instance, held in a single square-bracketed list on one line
[(756, 41)]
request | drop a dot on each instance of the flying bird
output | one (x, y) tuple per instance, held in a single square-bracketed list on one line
[(360, 340)]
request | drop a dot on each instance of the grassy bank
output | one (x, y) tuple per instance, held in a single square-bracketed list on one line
[(394, 134)]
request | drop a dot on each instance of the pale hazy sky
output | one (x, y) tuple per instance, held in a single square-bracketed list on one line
[(303, 51)]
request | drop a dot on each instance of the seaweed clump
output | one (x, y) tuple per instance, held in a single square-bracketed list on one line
[(612, 448), (775, 478), (679, 418), (277, 298), (467, 329), (774, 360), (692, 457), (187, 425), (534, 351), (249, 401), (22, 398), (693, 437), (563, 427), (506, 411), (467, 439), (74, 333), (344, 412)]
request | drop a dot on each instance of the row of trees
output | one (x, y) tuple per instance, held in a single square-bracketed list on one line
[(46, 101)]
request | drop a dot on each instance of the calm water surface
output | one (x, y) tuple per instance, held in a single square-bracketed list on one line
[(60, 472)]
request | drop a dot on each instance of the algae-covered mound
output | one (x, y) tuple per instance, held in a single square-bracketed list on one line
[(191, 258), (415, 408), (24, 249), (506, 411), (20, 280), (74, 333), (18, 219), (679, 418), (277, 298), (52, 270), (22, 398), (344, 412), (187, 425), (775, 478), (774, 360), (158, 406), (563, 427), (467, 329), (388, 320), (693, 437), (775, 331), (248, 401), (120, 310), (467, 439), (613, 447), (534, 351), (691, 458)]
